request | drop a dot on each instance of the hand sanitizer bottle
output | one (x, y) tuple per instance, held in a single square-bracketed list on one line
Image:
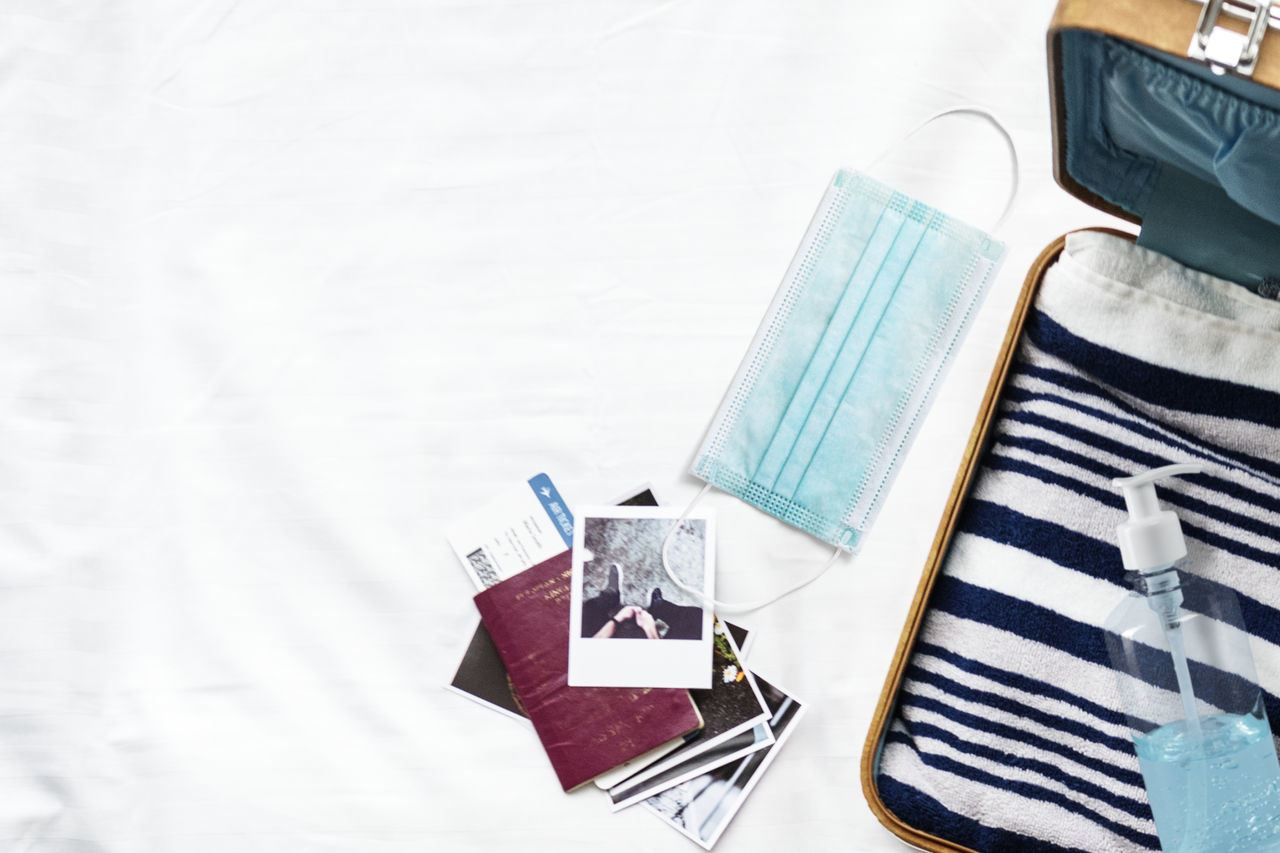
[(1186, 676)]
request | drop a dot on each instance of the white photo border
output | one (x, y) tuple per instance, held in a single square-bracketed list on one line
[(635, 663)]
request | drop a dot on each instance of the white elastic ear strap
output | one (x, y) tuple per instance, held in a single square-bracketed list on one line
[(965, 109), (725, 608)]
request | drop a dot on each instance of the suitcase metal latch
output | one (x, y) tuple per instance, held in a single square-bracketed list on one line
[(1223, 49)]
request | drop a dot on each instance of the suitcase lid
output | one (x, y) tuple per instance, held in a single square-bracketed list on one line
[(1167, 114)]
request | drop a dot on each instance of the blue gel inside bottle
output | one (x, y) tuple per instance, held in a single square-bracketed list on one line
[(1214, 791)]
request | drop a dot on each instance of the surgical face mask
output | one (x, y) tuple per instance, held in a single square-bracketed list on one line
[(846, 362), (847, 359)]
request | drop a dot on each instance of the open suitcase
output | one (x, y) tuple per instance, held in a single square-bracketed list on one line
[(999, 727)]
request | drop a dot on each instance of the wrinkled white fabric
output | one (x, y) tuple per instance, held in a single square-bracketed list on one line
[(285, 285)]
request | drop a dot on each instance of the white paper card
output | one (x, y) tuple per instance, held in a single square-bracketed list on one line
[(519, 528)]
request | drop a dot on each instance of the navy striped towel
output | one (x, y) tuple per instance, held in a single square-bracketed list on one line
[(1009, 735)]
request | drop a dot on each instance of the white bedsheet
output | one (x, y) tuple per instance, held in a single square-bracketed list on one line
[(285, 285)]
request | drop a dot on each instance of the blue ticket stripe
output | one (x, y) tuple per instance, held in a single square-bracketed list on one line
[(554, 505)]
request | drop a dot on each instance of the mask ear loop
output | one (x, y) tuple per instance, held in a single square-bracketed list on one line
[(966, 109), (724, 608)]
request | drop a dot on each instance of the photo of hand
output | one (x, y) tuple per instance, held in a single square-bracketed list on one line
[(643, 621), (604, 615)]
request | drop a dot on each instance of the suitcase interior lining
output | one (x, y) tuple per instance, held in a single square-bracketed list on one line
[(1187, 152)]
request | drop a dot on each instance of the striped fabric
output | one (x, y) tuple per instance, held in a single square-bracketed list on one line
[(1009, 734)]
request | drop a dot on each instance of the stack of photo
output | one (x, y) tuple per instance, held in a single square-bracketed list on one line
[(595, 631)]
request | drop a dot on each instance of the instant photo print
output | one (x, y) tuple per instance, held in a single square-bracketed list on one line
[(733, 714), (630, 625), (702, 807)]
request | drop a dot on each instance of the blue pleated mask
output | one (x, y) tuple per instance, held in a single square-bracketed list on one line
[(845, 364)]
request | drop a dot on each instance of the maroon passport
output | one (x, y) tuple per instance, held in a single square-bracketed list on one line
[(585, 730)]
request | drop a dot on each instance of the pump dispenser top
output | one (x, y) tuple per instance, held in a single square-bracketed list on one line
[(1152, 538)]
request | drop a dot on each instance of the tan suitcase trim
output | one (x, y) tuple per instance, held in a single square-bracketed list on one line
[(1163, 25), (964, 478)]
